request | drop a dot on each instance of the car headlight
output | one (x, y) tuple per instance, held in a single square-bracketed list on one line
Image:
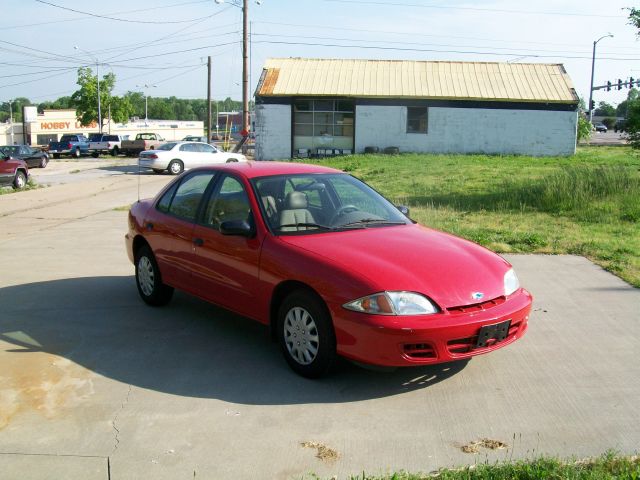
[(393, 303), (511, 283)]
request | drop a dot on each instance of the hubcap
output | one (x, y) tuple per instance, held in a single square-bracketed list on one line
[(146, 275), (301, 335), (175, 167)]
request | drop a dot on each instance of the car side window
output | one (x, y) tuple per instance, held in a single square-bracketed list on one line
[(165, 201), (207, 148), (186, 199), (229, 202)]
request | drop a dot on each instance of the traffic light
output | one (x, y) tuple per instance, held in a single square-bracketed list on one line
[(609, 86), (619, 84), (592, 105), (630, 82)]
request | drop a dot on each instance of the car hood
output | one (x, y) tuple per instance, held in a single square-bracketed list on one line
[(448, 269)]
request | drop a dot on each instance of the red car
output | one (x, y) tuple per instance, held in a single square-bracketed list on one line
[(328, 263), (13, 171)]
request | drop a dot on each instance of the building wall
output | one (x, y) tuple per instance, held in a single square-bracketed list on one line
[(469, 130), (273, 132)]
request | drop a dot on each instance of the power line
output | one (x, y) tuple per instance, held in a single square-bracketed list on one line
[(474, 9), (370, 47), (116, 19)]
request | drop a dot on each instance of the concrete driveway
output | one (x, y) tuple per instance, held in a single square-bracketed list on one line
[(94, 384)]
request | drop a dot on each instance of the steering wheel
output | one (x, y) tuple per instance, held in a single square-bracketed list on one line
[(342, 210)]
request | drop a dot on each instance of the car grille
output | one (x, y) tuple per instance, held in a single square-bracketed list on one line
[(477, 307), (419, 350), (466, 345)]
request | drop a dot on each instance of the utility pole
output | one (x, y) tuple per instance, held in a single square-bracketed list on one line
[(11, 120), (245, 66), (593, 68), (209, 100)]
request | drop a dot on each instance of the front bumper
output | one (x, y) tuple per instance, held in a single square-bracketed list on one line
[(421, 340)]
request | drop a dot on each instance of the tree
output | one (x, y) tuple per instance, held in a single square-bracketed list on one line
[(633, 122), (85, 100), (621, 109), (16, 108), (605, 110)]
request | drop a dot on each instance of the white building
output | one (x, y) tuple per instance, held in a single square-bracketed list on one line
[(52, 124), (324, 107)]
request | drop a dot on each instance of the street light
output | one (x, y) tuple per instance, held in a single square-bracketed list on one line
[(146, 86), (245, 58), (593, 65), (98, 78)]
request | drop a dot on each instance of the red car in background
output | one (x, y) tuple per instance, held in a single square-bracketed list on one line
[(332, 266), (13, 171)]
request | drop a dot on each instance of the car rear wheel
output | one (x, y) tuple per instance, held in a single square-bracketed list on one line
[(115, 151), (149, 281), (76, 153), (20, 180), (176, 167), (43, 161), (306, 334)]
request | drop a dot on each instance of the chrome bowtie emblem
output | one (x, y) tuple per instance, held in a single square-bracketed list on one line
[(477, 295)]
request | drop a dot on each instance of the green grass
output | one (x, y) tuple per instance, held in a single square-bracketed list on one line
[(587, 204), (606, 467), (31, 185)]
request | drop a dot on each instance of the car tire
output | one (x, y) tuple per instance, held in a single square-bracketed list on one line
[(19, 180), (306, 335), (115, 151), (56, 156), (149, 281), (175, 167), (44, 160), (76, 153)]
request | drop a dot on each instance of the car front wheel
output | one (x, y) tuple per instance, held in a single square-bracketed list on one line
[(43, 161), (149, 281), (20, 180), (306, 335)]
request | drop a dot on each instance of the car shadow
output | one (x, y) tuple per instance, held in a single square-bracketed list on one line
[(188, 348), (131, 169)]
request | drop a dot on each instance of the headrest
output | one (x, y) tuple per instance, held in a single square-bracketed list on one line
[(296, 200)]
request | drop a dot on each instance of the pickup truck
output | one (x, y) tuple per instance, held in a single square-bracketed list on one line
[(73, 145), (143, 141), (107, 144)]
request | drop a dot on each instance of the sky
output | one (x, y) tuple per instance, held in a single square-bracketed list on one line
[(165, 43)]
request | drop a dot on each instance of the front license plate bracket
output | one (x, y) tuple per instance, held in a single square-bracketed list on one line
[(497, 332)]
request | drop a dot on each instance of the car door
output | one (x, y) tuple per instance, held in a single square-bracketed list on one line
[(227, 266), (7, 169), (186, 153), (30, 155), (169, 228)]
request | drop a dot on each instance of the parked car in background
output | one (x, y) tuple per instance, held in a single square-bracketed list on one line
[(72, 145), (600, 127), (175, 157), (13, 171), (107, 144), (143, 141), (195, 138), (33, 157), (329, 264), (620, 126)]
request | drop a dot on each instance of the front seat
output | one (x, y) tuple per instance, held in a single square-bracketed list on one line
[(295, 212)]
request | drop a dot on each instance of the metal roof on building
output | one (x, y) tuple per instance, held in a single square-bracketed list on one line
[(488, 81)]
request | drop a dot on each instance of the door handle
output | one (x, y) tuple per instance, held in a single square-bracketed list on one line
[(198, 242)]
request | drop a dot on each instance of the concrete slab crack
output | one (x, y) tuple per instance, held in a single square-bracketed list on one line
[(114, 422)]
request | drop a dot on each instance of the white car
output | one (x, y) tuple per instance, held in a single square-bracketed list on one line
[(175, 157)]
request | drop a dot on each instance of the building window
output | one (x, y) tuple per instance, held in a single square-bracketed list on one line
[(323, 125), (417, 119)]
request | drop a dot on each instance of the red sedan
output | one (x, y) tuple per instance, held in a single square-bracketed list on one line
[(328, 263)]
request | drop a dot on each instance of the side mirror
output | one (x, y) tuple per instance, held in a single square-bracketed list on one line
[(403, 210), (236, 227)]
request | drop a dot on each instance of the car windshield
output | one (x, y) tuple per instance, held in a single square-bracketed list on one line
[(10, 150), (167, 146), (313, 203)]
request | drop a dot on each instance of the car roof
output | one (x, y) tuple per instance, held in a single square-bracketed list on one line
[(255, 169)]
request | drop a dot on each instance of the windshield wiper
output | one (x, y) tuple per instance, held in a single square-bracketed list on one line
[(372, 221), (304, 224)]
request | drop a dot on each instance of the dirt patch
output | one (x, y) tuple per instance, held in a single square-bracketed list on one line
[(323, 452), (476, 445), (37, 381)]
